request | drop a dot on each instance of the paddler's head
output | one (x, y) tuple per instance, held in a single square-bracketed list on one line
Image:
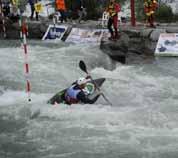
[(81, 82)]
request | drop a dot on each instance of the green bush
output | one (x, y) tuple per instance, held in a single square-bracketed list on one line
[(139, 10), (175, 18), (94, 8), (164, 13)]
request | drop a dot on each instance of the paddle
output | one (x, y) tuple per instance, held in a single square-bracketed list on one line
[(83, 67)]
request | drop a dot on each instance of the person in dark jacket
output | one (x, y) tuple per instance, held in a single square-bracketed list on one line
[(32, 6), (76, 93), (6, 9)]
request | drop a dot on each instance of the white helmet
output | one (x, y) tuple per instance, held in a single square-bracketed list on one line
[(82, 80)]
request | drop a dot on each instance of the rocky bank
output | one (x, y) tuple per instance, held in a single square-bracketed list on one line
[(135, 45)]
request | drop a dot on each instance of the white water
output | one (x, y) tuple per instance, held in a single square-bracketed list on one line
[(142, 123)]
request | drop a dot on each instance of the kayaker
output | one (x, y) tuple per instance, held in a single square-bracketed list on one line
[(77, 94)]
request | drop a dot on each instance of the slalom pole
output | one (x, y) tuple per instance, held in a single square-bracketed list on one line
[(3, 19), (24, 32)]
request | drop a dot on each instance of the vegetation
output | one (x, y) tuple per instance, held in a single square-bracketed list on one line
[(94, 8), (139, 9), (163, 13)]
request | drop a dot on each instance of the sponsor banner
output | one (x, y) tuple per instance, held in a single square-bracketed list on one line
[(167, 45), (54, 32), (94, 36)]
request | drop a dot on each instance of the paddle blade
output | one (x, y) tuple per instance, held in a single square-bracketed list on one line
[(83, 66)]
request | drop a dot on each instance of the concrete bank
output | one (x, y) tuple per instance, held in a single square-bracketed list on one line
[(135, 45)]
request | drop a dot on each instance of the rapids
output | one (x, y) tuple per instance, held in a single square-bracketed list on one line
[(142, 123)]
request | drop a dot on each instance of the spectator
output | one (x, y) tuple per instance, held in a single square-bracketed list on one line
[(14, 16), (113, 10), (61, 7), (150, 7), (32, 5), (6, 9), (82, 14)]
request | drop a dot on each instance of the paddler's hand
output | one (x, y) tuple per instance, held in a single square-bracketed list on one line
[(88, 77)]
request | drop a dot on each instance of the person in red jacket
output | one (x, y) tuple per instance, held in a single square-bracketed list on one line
[(61, 7), (150, 7), (113, 9)]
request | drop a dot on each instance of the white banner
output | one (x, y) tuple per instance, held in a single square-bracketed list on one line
[(94, 36), (167, 45)]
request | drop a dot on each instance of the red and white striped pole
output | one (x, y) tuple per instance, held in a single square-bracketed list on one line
[(24, 32), (3, 19)]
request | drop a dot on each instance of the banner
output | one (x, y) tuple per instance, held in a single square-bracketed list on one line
[(167, 45), (54, 32), (78, 35)]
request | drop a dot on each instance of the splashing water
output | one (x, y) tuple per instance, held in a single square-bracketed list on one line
[(142, 123)]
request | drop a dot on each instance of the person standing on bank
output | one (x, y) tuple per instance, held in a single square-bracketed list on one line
[(32, 6), (150, 7), (113, 9), (61, 7), (81, 11)]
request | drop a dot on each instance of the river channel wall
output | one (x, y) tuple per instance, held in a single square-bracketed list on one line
[(135, 45)]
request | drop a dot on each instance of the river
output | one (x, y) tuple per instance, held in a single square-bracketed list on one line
[(141, 123)]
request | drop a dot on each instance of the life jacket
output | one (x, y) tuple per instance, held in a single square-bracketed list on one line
[(113, 9), (154, 5), (150, 6), (60, 4), (71, 95)]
